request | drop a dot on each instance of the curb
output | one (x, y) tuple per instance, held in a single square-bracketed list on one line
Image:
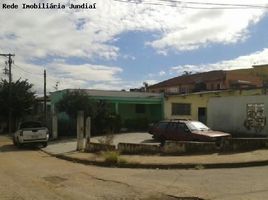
[(162, 166)]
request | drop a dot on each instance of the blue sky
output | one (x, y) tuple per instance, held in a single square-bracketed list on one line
[(120, 45)]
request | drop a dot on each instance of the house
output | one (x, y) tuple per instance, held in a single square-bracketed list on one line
[(194, 106), (136, 109), (257, 76)]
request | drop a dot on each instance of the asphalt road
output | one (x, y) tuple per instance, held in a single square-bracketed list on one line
[(32, 174)]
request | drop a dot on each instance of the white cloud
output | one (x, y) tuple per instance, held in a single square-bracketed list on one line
[(203, 27), (162, 73), (256, 58), (68, 76), (89, 34)]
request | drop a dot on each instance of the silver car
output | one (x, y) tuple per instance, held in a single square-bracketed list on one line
[(31, 132)]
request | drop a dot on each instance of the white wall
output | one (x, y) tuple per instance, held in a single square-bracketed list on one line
[(230, 113)]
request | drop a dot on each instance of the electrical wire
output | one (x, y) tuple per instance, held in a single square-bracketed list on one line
[(183, 4), (25, 70), (217, 4), (18, 67)]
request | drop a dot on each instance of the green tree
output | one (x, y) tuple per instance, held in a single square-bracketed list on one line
[(75, 101), (22, 99), (101, 117)]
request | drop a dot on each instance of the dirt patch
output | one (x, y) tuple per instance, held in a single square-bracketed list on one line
[(55, 179)]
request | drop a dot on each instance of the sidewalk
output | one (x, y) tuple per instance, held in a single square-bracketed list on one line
[(66, 149)]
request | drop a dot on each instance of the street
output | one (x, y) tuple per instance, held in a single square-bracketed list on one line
[(32, 174)]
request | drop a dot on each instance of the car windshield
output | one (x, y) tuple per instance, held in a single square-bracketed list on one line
[(197, 126), (31, 125)]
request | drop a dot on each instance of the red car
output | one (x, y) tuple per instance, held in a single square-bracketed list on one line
[(185, 130)]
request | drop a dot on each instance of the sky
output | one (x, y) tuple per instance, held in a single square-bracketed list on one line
[(121, 44)]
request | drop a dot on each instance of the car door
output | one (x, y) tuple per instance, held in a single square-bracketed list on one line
[(170, 132), (181, 132), (160, 129)]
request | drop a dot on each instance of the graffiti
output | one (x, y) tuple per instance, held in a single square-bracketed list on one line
[(256, 119)]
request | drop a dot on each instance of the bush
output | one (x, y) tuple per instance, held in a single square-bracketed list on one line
[(113, 158)]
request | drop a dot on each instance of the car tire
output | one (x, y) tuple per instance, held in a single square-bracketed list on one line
[(220, 143), (44, 144), (162, 141), (14, 141), (19, 145)]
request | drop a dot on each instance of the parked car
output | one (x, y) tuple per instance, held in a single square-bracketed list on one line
[(186, 130), (31, 132)]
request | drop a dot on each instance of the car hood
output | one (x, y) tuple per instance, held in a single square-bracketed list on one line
[(211, 133)]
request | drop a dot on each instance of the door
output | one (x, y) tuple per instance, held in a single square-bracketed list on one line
[(202, 115)]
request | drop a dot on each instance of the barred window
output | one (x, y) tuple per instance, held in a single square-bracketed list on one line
[(181, 109)]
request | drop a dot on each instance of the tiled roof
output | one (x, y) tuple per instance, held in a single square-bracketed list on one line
[(193, 78), (113, 93)]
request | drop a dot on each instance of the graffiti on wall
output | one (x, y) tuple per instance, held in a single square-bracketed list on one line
[(256, 119)]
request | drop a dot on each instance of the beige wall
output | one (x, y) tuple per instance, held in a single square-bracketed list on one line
[(195, 100), (229, 114), (201, 100)]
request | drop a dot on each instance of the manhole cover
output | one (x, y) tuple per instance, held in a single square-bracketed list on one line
[(55, 179)]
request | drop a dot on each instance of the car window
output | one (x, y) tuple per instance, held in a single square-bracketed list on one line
[(172, 126), (181, 127), (195, 125), (162, 125), (31, 125)]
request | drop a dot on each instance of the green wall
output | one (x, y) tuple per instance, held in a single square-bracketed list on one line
[(126, 109)]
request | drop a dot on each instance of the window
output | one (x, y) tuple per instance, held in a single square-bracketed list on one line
[(162, 125), (172, 126), (140, 108), (181, 109)]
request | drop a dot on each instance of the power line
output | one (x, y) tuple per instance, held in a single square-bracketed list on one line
[(36, 74), (26, 70), (217, 4), (183, 4)]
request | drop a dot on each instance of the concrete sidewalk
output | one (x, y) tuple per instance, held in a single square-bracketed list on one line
[(66, 149)]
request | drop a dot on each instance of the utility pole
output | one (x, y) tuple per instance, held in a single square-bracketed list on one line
[(9, 90), (45, 96)]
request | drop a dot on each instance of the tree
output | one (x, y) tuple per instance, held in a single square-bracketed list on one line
[(22, 99), (102, 119), (200, 87), (75, 101)]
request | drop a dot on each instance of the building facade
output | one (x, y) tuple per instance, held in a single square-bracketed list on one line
[(194, 106), (254, 77), (136, 109)]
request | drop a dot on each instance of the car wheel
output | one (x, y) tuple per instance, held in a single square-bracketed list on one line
[(14, 141), (162, 140), (220, 143), (44, 144), (19, 144)]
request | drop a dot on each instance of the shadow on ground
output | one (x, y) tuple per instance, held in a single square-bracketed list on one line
[(12, 148)]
